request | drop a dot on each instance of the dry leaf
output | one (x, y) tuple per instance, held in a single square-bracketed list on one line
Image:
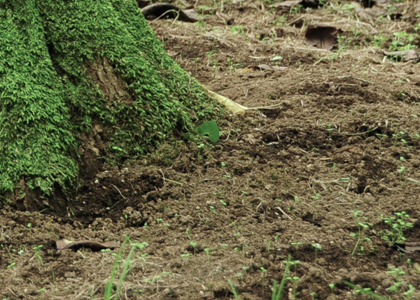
[(95, 246), (293, 3), (167, 10), (321, 36), (264, 67)]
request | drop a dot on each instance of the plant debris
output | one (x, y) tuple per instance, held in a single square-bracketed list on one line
[(167, 10), (264, 67), (403, 55), (94, 245), (321, 36)]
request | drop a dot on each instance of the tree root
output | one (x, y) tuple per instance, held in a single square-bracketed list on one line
[(237, 108)]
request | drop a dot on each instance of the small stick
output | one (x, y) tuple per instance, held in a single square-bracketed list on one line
[(284, 213), (119, 191), (165, 179)]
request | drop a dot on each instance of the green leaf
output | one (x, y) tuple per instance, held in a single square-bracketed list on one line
[(209, 128)]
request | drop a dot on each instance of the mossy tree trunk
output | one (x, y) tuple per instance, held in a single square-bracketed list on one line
[(81, 80)]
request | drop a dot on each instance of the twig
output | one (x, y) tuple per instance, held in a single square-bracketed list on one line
[(282, 211), (166, 179), (360, 133), (267, 107), (413, 180), (119, 191)]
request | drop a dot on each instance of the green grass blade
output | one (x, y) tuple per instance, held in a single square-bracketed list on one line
[(108, 287)]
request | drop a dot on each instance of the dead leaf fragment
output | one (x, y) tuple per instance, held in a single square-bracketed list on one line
[(412, 247), (264, 67), (167, 10), (321, 36), (408, 247), (94, 245), (293, 3)]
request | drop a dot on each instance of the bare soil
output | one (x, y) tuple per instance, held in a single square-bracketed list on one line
[(337, 151)]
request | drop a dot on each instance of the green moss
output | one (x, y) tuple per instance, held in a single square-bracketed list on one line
[(47, 100), (36, 141)]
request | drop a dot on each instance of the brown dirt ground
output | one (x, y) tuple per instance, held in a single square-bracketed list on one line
[(278, 181)]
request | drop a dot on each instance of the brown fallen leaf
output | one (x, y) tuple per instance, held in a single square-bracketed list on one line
[(264, 67), (168, 10), (293, 3), (94, 245), (407, 247), (404, 55), (321, 36)]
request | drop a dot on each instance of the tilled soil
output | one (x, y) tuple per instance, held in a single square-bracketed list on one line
[(330, 152)]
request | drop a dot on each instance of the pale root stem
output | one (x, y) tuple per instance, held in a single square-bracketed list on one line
[(235, 107)]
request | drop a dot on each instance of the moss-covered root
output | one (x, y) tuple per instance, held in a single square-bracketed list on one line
[(36, 143), (73, 69)]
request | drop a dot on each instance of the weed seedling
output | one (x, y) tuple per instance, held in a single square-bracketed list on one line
[(360, 235), (381, 137), (126, 266), (234, 291), (401, 171), (294, 280), (317, 248), (409, 293), (264, 273), (278, 289), (398, 281), (244, 246), (330, 130), (187, 232), (268, 245), (365, 291), (194, 245), (207, 250), (238, 29), (37, 255), (416, 138), (397, 225), (213, 210), (296, 245), (186, 256), (316, 197), (292, 263)]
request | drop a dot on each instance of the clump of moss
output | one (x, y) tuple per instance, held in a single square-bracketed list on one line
[(48, 98)]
